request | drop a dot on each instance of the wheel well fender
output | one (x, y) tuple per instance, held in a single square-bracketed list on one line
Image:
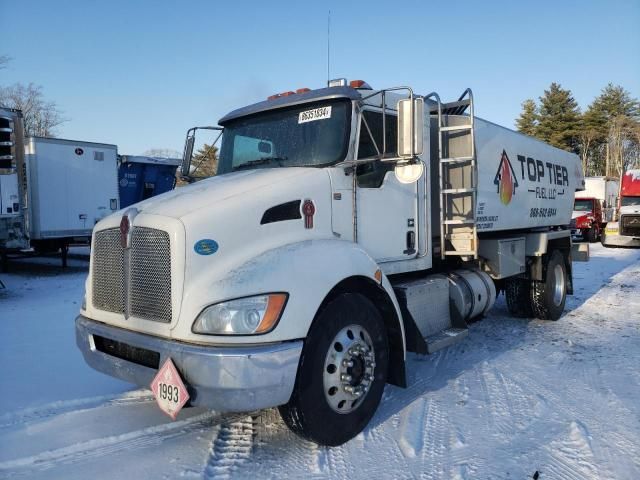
[(539, 265), (381, 295)]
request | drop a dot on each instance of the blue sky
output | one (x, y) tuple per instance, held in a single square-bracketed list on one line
[(138, 74)]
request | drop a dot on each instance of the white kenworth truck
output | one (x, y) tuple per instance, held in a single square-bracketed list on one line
[(345, 227)]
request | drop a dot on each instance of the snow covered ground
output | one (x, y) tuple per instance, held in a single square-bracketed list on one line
[(518, 396)]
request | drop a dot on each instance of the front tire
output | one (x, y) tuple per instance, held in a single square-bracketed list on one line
[(591, 235), (342, 372), (549, 296)]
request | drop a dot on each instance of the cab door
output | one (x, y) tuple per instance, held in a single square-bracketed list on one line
[(387, 210)]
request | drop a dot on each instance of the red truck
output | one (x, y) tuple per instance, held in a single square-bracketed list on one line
[(594, 207)]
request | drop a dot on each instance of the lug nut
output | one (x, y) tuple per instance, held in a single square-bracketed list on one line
[(347, 363), (345, 378), (348, 388)]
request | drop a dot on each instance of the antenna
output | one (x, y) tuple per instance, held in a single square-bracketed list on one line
[(328, 45)]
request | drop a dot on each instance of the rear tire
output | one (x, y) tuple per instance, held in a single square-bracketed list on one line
[(549, 296), (321, 408), (518, 293)]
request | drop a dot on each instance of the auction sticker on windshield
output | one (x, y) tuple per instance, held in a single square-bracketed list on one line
[(169, 389), (315, 114)]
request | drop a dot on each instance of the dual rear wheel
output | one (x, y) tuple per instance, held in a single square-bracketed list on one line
[(540, 299)]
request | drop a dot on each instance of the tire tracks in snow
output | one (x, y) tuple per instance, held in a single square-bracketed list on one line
[(231, 446), (62, 407), (102, 447)]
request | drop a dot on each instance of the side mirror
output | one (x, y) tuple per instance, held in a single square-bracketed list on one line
[(410, 127), (187, 154)]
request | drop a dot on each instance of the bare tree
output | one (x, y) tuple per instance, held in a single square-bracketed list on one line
[(41, 117)]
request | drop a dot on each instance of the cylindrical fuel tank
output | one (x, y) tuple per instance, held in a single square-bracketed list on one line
[(471, 292)]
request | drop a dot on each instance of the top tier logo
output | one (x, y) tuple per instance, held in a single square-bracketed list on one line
[(505, 179)]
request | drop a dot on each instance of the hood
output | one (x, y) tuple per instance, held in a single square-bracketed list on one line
[(212, 191), (578, 214)]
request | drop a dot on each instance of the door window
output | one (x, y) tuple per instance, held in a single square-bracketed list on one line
[(371, 174)]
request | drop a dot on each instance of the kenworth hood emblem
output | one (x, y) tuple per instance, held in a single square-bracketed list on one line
[(125, 227)]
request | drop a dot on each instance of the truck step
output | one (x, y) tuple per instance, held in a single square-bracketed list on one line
[(455, 128), (458, 190), (466, 221), (460, 253), (455, 108), (457, 160), (445, 338)]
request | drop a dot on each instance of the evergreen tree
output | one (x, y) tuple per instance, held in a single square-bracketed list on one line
[(610, 122), (559, 121), (528, 120)]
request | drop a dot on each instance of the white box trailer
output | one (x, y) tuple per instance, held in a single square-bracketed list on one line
[(72, 185), (345, 227), (605, 189)]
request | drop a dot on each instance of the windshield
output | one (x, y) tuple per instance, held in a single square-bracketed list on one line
[(583, 206), (309, 135), (630, 201)]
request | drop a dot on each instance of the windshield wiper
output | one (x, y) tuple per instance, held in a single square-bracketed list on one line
[(261, 161)]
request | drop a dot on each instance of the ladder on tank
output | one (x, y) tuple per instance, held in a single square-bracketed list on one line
[(458, 176)]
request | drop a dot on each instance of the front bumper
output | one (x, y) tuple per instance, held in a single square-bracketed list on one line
[(233, 379), (616, 240)]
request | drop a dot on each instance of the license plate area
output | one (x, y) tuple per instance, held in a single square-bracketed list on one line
[(169, 389)]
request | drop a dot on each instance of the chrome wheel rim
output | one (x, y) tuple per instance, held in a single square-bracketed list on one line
[(349, 369), (558, 290)]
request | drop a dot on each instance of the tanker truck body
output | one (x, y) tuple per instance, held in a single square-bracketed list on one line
[(345, 227), (626, 231)]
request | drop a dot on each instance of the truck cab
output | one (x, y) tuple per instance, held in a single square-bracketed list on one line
[(345, 227), (626, 231), (586, 219)]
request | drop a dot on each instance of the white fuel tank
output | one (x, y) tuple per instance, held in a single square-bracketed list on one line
[(471, 293)]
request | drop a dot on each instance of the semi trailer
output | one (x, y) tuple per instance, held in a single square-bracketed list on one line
[(346, 227), (625, 232), (71, 186), (594, 207), (53, 191), (13, 204)]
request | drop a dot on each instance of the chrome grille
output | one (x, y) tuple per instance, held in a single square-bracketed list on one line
[(108, 271), (144, 289), (630, 225), (150, 285)]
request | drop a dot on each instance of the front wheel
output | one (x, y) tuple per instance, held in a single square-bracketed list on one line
[(591, 234), (342, 372), (548, 296)]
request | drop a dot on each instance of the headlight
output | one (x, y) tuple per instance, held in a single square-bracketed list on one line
[(244, 316)]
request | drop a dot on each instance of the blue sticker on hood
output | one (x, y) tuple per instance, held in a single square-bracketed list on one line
[(206, 246)]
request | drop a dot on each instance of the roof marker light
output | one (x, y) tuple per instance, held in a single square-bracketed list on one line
[(360, 84), (303, 90)]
